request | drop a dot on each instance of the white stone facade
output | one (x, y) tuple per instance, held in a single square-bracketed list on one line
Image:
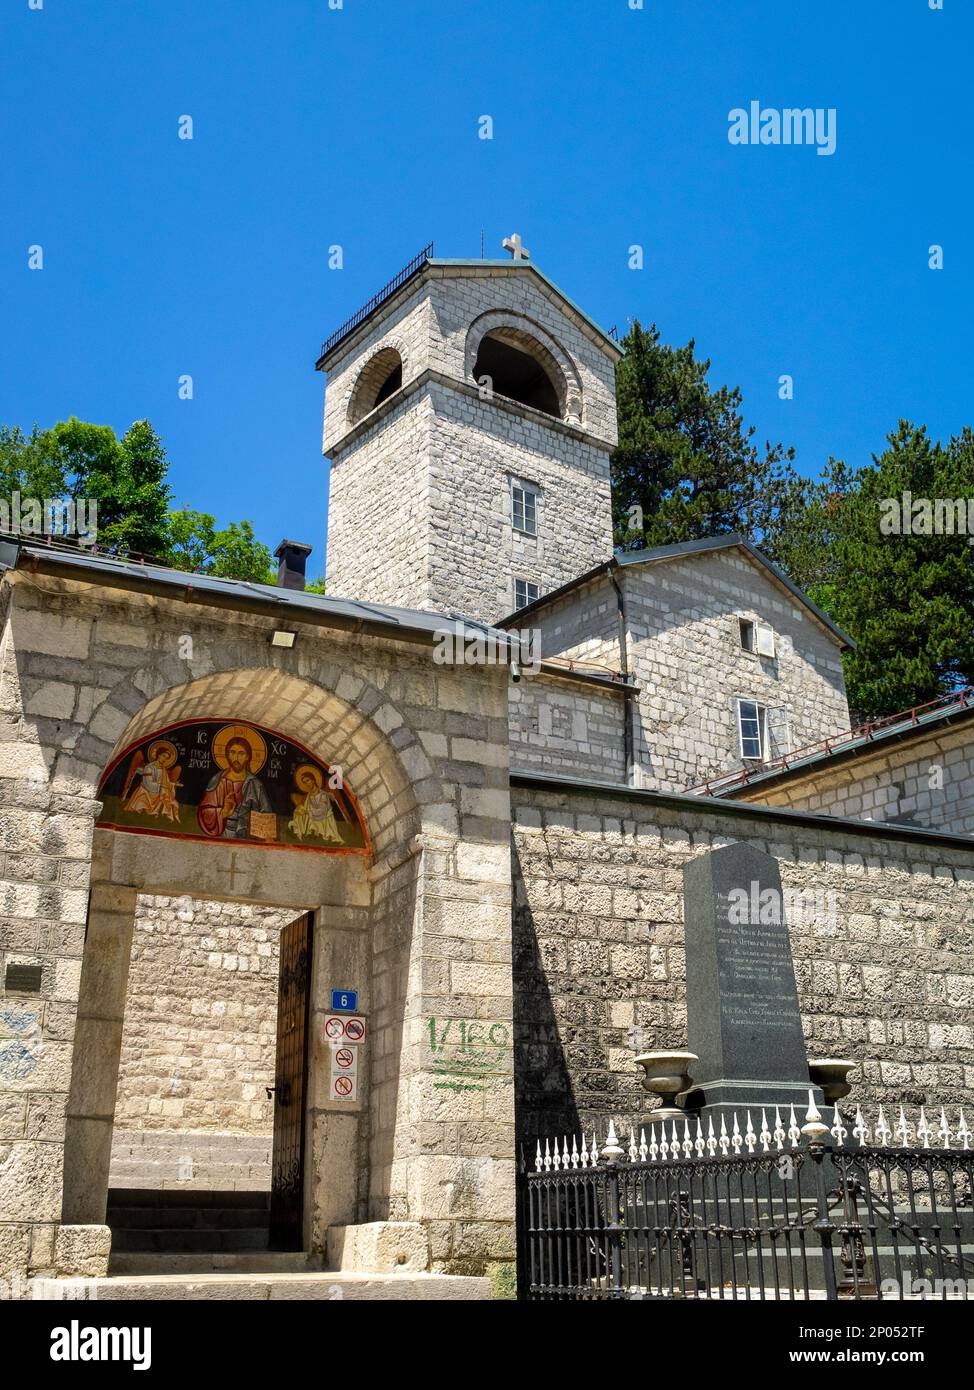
[(420, 502), (199, 1039), (600, 966), (424, 928), (683, 652), (564, 725)]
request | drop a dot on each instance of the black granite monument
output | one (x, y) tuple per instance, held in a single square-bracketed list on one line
[(743, 1020)]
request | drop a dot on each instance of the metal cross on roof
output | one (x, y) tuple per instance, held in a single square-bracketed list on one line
[(518, 252)]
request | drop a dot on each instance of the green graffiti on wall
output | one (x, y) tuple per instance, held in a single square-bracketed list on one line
[(468, 1054)]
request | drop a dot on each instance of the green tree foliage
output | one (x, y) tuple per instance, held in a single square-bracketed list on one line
[(904, 592), (231, 553), (686, 466), (127, 479)]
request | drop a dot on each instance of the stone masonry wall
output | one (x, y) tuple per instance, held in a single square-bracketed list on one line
[(200, 1032), (84, 667), (600, 972), (477, 448), (583, 625), (462, 295), (927, 781), (687, 658), (565, 726), (684, 653), (378, 510), (420, 507)]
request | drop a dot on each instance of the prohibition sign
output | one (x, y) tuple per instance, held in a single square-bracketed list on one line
[(355, 1030), (334, 1028), (343, 1085), (345, 1057)]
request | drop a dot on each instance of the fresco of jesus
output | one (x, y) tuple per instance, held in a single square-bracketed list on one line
[(231, 795)]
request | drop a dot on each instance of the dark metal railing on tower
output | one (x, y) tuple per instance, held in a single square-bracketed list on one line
[(409, 269)]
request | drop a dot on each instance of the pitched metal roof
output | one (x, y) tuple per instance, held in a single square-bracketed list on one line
[(910, 724), (622, 559), (376, 619)]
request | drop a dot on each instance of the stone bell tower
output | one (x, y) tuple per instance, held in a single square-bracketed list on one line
[(469, 417)]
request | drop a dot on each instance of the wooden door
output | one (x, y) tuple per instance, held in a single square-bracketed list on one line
[(290, 1085)]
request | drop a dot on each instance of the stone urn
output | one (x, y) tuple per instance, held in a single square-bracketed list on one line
[(666, 1074), (831, 1074)]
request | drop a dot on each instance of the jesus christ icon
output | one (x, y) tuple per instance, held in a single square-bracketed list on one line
[(235, 805)]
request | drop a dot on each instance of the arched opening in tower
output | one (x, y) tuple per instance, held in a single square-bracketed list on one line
[(516, 374)]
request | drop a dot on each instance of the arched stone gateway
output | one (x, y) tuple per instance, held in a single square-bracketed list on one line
[(412, 1168)]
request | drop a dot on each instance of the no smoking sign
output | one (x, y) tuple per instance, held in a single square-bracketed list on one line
[(343, 1034)]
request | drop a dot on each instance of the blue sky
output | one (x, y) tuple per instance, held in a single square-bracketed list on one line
[(359, 127)]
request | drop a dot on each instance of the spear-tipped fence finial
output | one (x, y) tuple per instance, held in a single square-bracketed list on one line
[(612, 1149)]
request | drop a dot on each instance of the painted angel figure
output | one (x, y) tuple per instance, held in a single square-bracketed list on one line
[(158, 779), (314, 810)]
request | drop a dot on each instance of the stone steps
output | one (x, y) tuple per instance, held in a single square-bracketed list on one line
[(165, 1240), (238, 1262), (202, 1160), (121, 1198), (323, 1286), (145, 1222)]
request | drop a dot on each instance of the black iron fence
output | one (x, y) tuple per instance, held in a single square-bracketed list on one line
[(815, 1212)]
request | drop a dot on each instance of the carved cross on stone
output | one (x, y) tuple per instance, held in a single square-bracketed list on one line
[(233, 871), (518, 252)]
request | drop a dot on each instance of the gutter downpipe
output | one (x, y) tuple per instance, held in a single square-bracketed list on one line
[(628, 706)]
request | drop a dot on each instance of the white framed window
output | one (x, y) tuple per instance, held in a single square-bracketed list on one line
[(757, 637), (525, 592), (752, 729), (524, 509)]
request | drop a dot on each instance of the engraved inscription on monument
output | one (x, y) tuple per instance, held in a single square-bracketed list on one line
[(757, 979)]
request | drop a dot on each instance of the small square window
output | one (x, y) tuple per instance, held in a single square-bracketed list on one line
[(525, 592), (747, 634), (524, 509), (752, 729)]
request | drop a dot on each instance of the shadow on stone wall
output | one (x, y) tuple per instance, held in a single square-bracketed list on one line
[(544, 1099)]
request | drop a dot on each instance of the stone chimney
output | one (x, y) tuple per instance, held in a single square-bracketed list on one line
[(292, 556)]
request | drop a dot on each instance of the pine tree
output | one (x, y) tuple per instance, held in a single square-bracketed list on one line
[(685, 467), (906, 595)]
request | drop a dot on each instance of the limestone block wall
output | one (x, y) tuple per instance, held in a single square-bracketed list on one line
[(477, 448), (926, 781), (600, 971), (198, 1041), (404, 325), (566, 726), (420, 500), (378, 510), (87, 664), (582, 625), (460, 298), (687, 658)]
